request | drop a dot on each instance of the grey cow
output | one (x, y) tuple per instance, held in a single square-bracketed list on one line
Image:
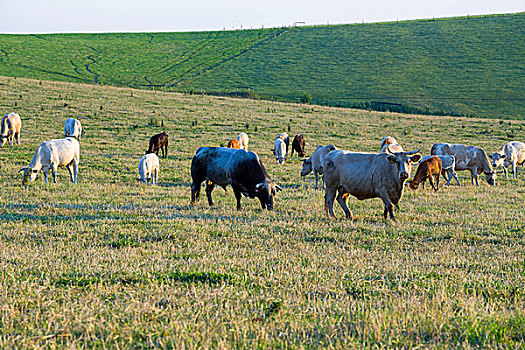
[(366, 175), (468, 158), (510, 154), (315, 162)]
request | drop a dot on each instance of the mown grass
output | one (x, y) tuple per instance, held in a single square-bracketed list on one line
[(462, 66), (111, 263)]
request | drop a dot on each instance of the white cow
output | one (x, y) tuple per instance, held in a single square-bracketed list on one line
[(53, 154), (286, 138), (315, 162), (243, 140), (510, 154), (468, 158), (448, 167), (279, 150), (10, 128), (149, 168), (391, 143), (73, 128)]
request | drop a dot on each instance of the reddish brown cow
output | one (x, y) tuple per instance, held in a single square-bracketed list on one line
[(426, 169), (159, 141), (234, 144), (298, 144)]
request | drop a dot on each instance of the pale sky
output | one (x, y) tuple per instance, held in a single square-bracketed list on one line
[(57, 16)]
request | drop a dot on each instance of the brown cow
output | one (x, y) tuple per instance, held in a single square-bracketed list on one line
[(159, 141), (234, 144), (426, 169), (298, 144)]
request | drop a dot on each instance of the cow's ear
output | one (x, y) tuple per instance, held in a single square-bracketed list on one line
[(504, 156), (415, 158), (391, 159)]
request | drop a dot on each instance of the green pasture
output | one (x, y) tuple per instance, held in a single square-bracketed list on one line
[(467, 66), (111, 263)]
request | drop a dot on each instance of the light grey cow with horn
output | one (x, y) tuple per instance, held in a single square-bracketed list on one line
[(366, 175)]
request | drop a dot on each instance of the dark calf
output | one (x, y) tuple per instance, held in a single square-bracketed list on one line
[(298, 144), (159, 141)]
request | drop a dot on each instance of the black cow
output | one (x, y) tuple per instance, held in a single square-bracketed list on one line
[(241, 169), (298, 144), (159, 141)]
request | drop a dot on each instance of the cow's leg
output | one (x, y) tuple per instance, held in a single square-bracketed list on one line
[(389, 206), (437, 182), (45, 176), (10, 137), (514, 171), (75, 170), (70, 169), (342, 199), (456, 177), (329, 197), (237, 192), (317, 180), (474, 176), (449, 178), (54, 169), (209, 189), (17, 137), (195, 191), (166, 150)]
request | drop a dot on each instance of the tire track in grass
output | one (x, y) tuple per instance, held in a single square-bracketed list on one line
[(267, 38), (188, 53), (93, 61)]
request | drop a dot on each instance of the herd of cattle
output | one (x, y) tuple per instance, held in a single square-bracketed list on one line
[(344, 173)]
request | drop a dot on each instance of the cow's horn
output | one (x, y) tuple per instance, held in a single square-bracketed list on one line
[(279, 188), (21, 169), (261, 184), (413, 152)]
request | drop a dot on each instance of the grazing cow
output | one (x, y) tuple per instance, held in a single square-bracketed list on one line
[(73, 128), (279, 149), (448, 167), (159, 141), (284, 136), (234, 144), (53, 154), (391, 143), (366, 175), (10, 128), (149, 168), (510, 154), (241, 169), (315, 162), (298, 144), (243, 140), (428, 168), (468, 158)]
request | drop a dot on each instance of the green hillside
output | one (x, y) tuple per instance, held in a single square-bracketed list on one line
[(465, 66)]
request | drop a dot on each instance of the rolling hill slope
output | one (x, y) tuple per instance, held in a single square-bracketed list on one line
[(465, 66)]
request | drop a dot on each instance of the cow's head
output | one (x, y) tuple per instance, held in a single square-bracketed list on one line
[(307, 167), (490, 176), (3, 140), (413, 184), (29, 175), (402, 161), (266, 192), (498, 159)]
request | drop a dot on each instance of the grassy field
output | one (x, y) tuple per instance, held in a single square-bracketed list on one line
[(466, 66), (110, 263)]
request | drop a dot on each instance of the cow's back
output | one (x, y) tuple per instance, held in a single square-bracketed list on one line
[(352, 171)]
